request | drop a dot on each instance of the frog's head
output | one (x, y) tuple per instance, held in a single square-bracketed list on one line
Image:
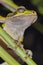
[(22, 11), (25, 15)]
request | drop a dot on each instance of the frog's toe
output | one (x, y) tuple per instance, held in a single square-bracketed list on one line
[(29, 52)]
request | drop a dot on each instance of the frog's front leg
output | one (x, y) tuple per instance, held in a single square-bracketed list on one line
[(19, 43), (29, 52)]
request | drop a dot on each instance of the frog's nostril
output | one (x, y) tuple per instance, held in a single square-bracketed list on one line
[(33, 12)]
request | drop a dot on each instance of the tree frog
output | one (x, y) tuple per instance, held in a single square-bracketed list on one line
[(16, 23)]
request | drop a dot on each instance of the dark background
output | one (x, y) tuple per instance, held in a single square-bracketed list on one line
[(33, 39)]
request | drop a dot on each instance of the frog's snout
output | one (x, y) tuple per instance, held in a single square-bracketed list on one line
[(35, 16), (34, 13)]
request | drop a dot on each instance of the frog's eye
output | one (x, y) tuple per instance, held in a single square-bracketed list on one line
[(21, 9)]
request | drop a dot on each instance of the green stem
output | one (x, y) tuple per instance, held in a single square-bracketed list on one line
[(18, 50), (9, 4), (9, 59)]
